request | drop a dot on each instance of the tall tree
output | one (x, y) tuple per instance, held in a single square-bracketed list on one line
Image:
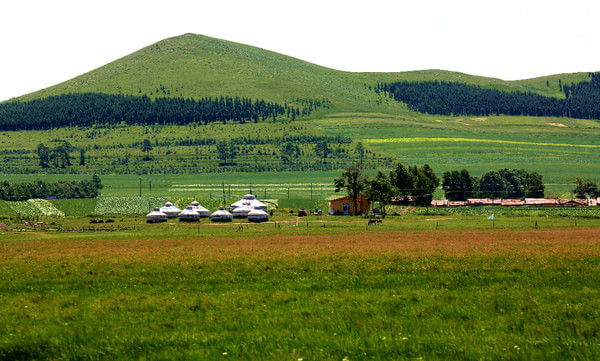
[(81, 156), (97, 181), (61, 156), (226, 150), (457, 185), (380, 190), (402, 180), (354, 182), (44, 154), (492, 185), (360, 149), (288, 152), (147, 147), (515, 182), (585, 188), (322, 150), (535, 185), (426, 182)]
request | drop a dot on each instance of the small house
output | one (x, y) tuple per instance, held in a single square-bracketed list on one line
[(345, 206)]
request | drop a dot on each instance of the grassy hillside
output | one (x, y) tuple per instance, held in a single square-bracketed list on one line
[(197, 66)]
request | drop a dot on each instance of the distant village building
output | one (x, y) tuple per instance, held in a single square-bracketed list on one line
[(531, 202)]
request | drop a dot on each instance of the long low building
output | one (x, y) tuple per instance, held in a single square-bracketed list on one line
[(531, 202)]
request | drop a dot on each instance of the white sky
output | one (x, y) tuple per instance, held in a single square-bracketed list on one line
[(45, 42)]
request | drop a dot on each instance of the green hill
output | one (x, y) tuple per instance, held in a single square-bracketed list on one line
[(199, 66)]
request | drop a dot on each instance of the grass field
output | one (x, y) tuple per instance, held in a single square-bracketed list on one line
[(209, 185), (326, 288), (559, 149)]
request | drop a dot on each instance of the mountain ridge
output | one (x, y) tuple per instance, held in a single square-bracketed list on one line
[(197, 66)]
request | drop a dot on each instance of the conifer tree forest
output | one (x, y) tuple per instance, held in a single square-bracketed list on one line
[(89, 109), (582, 100)]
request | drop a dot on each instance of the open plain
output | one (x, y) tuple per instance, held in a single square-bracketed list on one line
[(323, 288)]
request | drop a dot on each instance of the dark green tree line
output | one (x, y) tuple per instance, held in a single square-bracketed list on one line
[(453, 98), (90, 109), (40, 189), (504, 183)]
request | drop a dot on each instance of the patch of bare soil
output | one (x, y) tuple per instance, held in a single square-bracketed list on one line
[(558, 125)]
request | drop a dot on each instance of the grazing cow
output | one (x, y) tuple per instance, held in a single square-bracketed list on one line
[(374, 221)]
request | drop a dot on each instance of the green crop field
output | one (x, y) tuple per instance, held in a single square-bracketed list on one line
[(559, 149), (428, 286)]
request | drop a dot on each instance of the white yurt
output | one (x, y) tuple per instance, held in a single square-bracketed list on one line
[(201, 210), (170, 210), (258, 216), (189, 214), (242, 211), (254, 203), (221, 215), (156, 216)]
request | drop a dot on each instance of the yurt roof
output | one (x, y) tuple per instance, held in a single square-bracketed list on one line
[(254, 203), (156, 213), (221, 212), (169, 207), (198, 208), (257, 212), (189, 211), (243, 209)]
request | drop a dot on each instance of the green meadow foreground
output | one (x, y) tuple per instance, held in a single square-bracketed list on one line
[(317, 288)]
